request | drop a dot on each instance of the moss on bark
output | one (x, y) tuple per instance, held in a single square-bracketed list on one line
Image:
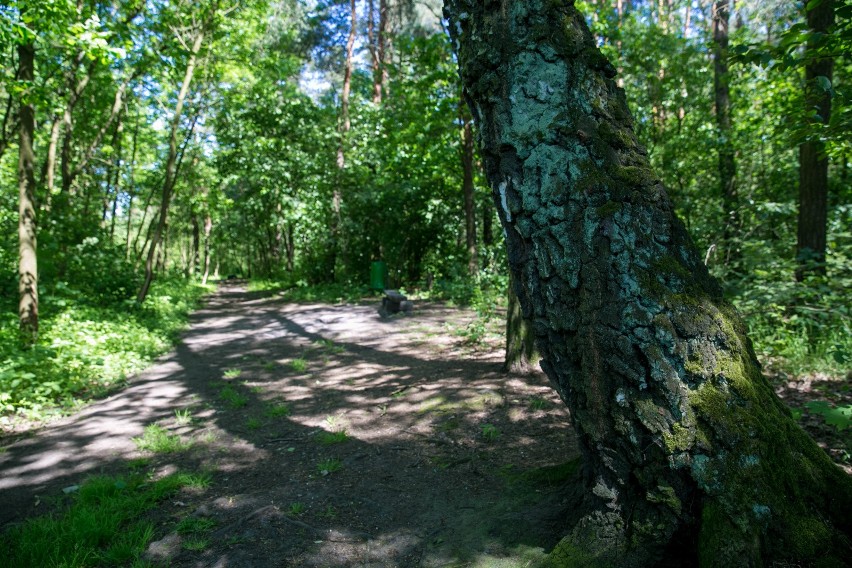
[(681, 433)]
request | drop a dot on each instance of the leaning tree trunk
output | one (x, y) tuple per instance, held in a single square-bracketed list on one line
[(685, 443), (171, 164)]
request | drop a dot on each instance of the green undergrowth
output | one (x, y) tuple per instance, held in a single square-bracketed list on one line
[(301, 291), (798, 327), (104, 526), (85, 348)]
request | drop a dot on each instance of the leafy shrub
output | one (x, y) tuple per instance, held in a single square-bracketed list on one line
[(84, 350), (102, 273), (803, 326)]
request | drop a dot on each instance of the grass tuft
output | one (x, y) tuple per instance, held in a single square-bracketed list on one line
[(277, 410), (234, 399), (194, 525), (331, 438), (158, 440), (329, 466)]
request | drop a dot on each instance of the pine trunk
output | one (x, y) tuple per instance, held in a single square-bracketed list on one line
[(684, 442)]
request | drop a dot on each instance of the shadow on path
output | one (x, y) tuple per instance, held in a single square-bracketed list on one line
[(419, 483)]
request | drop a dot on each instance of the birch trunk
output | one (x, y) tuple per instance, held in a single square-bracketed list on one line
[(684, 442)]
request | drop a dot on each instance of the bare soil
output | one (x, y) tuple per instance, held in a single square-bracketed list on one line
[(446, 460)]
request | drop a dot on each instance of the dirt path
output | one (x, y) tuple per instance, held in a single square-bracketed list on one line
[(428, 473)]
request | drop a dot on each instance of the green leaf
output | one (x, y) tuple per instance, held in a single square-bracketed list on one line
[(824, 83), (840, 417)]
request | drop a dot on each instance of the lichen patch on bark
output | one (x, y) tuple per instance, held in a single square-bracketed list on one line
[(680, 432)]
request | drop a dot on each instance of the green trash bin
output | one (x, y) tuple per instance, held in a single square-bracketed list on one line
[(378, 275)]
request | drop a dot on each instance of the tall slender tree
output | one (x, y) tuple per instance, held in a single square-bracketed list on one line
[(28, 260), (200, 29), (727, 161), (467, 162), (813, 161), (344, 128)]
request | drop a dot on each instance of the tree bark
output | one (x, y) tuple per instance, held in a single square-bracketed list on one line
[(69, 174), (345, 127), (467, 159), (521, 355), (131, 187), (75, 90), (290, 247), (50, 163), (114, 183), (7, 130), (383, 46), (813, 162), (208, 227), (171, 164), (684, 442), (195, 251), (373, 44), (27, 244), (727, 162)]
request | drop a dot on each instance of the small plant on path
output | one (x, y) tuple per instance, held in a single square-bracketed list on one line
[(183, 417), (230, 395), (193, 525), (196, 544), (329, 466), (277, 410), (331, 438), (329, 512), (490, 432), (158, 440)]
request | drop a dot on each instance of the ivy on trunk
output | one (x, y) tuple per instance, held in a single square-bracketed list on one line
[(684, 441)]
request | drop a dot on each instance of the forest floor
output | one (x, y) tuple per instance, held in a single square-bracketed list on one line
[(332, 437)]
